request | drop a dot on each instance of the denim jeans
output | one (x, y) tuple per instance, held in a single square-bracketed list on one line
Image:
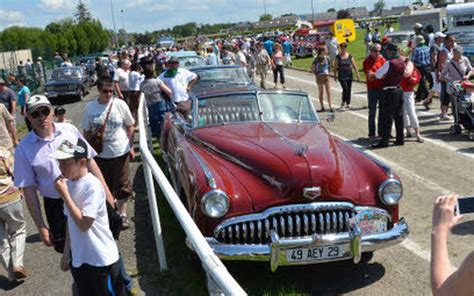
[(373, 96), (156, 114)]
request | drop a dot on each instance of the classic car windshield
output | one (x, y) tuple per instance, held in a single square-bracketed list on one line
[(222, 76), (286, 107), (274, 107), (66, 73), (191, 61)]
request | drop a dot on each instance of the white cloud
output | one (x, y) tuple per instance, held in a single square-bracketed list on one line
[(10, 18), (56, 5)]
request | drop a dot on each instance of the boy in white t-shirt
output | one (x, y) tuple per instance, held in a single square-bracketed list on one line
[(88, 238)]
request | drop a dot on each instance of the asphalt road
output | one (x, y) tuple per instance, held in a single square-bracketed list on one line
[(42, 263), (443, 164)]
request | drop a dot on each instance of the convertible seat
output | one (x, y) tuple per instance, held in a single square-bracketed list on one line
[(226, 114)]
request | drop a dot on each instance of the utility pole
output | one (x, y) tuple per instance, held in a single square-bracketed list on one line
[(113, 21), (312, 11), (125, 34), (264, 7)]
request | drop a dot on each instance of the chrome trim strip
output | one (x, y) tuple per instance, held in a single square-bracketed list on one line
[(211, 181), (263, 252)]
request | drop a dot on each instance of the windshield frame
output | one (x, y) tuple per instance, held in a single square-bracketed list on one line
[(63, 77), (241, 71), (194, 120)]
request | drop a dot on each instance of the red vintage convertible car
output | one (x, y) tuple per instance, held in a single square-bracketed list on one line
[(264, 180)]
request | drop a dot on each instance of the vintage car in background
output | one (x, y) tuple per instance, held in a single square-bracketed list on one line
[(224, 76), (188, 58), (68, 82), (401, 37), (264, 180), (305, 42)]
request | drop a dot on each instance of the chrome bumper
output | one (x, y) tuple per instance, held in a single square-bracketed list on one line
[(53, 94), (275, 252)]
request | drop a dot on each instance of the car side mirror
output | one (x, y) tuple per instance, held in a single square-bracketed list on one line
[(330, 117)]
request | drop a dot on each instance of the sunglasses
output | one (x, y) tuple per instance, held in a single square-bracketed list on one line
[(37, 113), (107, 90)]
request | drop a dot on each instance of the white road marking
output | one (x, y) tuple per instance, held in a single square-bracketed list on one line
[(436, 142)]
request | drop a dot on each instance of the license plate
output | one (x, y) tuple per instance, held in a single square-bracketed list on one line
[(315, 253)]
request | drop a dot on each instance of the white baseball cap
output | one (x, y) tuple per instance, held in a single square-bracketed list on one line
[(439, 35)]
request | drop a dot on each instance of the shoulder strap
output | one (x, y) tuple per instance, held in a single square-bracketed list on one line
[(102, 128), (455, 67), (7, 167)]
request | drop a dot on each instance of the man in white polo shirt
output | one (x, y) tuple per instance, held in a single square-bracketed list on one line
[(179, 80), (35, 170)]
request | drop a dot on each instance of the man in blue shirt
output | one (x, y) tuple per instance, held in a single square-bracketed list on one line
[(268, 45), (421, 58), (287, 52)]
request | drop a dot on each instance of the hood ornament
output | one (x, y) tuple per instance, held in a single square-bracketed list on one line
[(312, 192)]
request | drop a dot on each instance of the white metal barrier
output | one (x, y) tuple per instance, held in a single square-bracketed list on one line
[(217, 273)]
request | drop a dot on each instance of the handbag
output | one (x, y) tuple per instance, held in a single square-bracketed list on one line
[(96, 139), (115, 222)]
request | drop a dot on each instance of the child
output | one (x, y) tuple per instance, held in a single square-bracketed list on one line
[(60, 115), (12, 223), (89, 240)]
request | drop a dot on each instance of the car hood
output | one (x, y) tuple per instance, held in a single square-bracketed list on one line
[(63, 82), (285, 157)]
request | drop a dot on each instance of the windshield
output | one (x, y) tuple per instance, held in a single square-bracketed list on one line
[(66, 73), (191, 61), (284, 107), (234, 76), (274, 107)]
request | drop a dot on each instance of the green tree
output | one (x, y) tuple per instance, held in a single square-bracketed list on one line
[(82, 13), (265, 17), (331, 10), (343, 13), (379, 6), (436, 2)]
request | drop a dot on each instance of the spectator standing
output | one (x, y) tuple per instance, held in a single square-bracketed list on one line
[(321, 67), (391, 98), (376, 38), (268, 44), (100, 69), (29, 68), (241, 58), (39, 71), (343, 66), (21, 69), (36, 171), (12, 221), (179, 81), (58, 60), (252, 61), (111, 67), (422, 60), (160, 61), (122, 80), (287, 49), (156, 104), (23, 94), (418, 28), (90, 251), (277, 66), (263, 63), (7, 97), (458, 68), (445, 280), (411, 77), (135, 79), (60, 115), (211, 57), (444, 57), (66, 64), (333, 47), (435, 50), (367, 40), (372, 63), (429, 30), (113, 117), (228, 57), (388, 29), (8, 138)]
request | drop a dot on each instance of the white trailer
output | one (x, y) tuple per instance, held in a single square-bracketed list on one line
[(433, 16), (460, 17)]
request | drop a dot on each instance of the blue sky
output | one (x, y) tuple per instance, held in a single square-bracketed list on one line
[(150, 15)]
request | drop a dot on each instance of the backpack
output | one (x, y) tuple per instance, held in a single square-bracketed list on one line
[(408, 83)]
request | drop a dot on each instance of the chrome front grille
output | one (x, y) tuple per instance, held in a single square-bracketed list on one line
[(288, 221)]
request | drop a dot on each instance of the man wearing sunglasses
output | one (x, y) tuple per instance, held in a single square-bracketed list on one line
[(36, 171)]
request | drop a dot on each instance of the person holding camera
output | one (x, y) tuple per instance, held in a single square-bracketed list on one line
[(444, 281)]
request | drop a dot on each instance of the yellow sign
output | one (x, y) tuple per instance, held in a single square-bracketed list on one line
[(344, 30)]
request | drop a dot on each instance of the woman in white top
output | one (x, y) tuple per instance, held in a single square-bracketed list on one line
[(134, 81), (113, 118)]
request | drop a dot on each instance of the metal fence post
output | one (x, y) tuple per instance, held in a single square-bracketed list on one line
[(155, 216)]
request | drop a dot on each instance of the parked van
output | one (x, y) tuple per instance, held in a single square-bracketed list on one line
[(460, 17)]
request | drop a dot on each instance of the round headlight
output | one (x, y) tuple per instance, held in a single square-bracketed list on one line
[(215, 203), (390, 192)]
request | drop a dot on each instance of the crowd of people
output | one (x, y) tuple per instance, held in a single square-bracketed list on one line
[(83, 176)]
